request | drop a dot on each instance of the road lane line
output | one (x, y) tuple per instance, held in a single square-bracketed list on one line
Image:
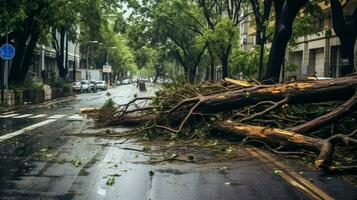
[(287, 178), (7, 116), (56, 116), (38, 116), (22, 116), (291, 177), (24, 130), (295, 175)]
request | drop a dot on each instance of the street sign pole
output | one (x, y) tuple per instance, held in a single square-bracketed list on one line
[(4, 63), (7, 52)]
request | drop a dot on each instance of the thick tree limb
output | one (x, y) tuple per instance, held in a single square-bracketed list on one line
[(275, 138), (335, 114)]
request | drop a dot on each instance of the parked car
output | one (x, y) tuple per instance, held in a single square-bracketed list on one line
[(93, 86), (127, 81), (77, 86), (85, 86), (102, 85)]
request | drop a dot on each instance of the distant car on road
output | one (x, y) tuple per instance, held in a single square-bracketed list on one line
[(85, 85), (93, 85), (102, 85), (77, 86), (127, 81)]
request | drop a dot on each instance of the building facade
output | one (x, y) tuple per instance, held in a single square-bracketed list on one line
[(315, 54), (45, 64)]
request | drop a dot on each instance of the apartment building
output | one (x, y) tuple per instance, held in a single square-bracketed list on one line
[(312, 54), (45, 64)]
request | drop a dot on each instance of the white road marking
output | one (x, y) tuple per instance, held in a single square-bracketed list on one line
[(77, 116), (38, 116), (9, 113), (56, 116), (22, 116), (24, 130), (7, 116)]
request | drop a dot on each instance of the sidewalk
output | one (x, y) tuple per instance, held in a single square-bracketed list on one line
[(4, 109)]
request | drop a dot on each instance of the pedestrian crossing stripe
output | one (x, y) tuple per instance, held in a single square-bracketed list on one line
[(38, 116), (56, 116), (22, 116), (7, 116), (9, 113)]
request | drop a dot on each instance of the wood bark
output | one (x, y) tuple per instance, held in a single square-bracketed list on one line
[(288, 93), (346, 30), (276, 138), (225, 52), (296, 92), (283, 31), (260, 21), (23, 57)]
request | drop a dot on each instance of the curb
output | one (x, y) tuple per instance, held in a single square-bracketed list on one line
[(43, 104)]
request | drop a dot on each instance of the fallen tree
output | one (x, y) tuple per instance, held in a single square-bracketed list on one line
[(181, 109), (279, 139)]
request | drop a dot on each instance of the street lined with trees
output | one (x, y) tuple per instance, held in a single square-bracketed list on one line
[(200, 78)]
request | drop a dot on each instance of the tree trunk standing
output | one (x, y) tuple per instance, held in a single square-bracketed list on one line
[(23, 55), (212, 66), (261, 54), (66, 59), (192, 75), (19, 56), (346, 31), (60, 57), (347, 54), (224, 59), (28, 56), (156, 73), (260, 20), (282, 35)]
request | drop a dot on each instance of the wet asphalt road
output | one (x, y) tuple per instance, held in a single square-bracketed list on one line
[(53, 162)]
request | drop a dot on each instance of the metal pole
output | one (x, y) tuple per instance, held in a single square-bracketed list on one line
[(2, 82), (87, 62), (2, 74)]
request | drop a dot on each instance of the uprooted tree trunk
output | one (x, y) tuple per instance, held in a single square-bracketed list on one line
[(279, 139), (262, 101), (277, 95)]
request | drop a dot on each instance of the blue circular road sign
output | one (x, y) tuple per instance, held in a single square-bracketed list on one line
[(7, 52)]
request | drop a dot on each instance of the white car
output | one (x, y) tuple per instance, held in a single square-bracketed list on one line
[(85, 85), (126, 81), (77, 86), (102, 85)]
